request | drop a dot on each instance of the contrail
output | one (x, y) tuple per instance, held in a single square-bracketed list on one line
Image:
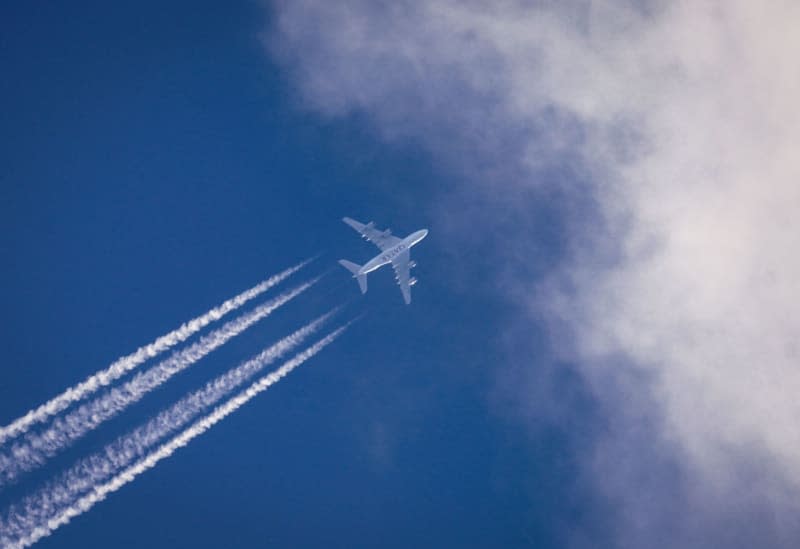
[(94, 470), (127, 363), (35, 448), (20, 533)]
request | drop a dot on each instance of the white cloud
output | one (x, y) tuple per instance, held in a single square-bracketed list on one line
[(684, 116)]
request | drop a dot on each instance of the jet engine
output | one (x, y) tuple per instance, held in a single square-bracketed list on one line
[(412, 264), (412, 281)]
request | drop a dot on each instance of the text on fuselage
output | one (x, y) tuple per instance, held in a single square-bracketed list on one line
[(394, 252)]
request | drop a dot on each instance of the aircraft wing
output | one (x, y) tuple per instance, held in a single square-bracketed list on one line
[(382, 239), (400, 264)]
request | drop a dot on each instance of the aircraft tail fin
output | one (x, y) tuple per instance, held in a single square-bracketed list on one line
[(355, 268)]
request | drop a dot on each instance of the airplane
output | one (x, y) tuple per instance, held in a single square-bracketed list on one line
[(394, 250)]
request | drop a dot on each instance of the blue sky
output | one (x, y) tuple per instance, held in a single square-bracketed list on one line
[(601, 350), (156, 162)]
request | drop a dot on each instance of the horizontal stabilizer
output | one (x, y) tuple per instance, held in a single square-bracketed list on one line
[(355, 268)]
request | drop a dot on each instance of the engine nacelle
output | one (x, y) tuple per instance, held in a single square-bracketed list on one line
[(412, 264), (412, 281)]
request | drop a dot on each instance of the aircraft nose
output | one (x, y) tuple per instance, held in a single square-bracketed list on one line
[(424, 233)]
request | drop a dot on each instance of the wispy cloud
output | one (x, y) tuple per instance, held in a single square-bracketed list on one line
[(680, 121)]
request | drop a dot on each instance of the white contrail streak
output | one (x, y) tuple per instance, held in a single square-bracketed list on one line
[(45, 527), (94, 470), (127, 363), (34, 449)]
